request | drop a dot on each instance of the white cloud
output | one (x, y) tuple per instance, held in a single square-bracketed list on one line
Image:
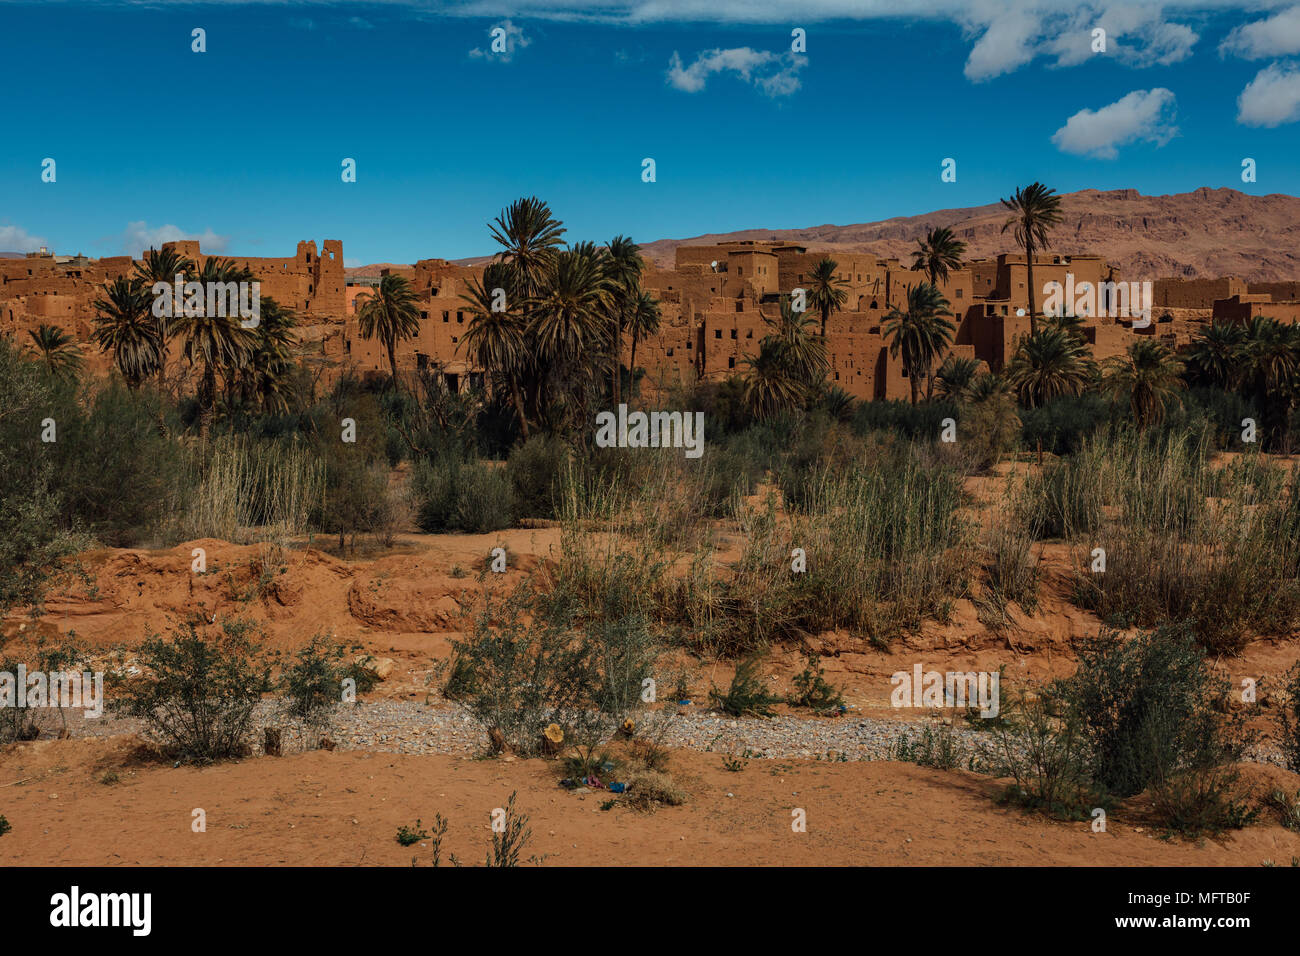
[(1006, 43), (776, 74), (1010, 37), (1141, 115), (1278, 35), (514, 41), (17, 239), (1272, 98), (139, 236)]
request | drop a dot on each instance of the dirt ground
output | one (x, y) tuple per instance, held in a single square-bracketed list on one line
[(339, 809), (409, 602)]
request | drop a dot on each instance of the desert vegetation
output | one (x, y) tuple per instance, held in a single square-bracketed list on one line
[(810, 513)]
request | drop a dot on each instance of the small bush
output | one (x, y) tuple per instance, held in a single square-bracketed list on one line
[(536, 470), (5, 826), (1045, 754), (467, 496), (525, 665), (409, 836), (508, 843), (812, 690), (651, 788), (313, 684), (746, 696), (197, 694), (1289, 719), (1147, 707)]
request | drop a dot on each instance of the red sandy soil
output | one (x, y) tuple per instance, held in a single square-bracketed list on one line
[(345, 808), (407, 604)]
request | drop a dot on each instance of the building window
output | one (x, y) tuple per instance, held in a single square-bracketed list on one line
[(740, 305), (717, 333), (733, 333), (424, 316), (446, 315), (460, 316), (731, 362), (959, 293)]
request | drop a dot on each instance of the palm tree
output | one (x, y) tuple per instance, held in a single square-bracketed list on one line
[(567, 320), (496, 338), (827, 292), (567, 312), (389, 311), (1047, 364), (1215, 354), (1269, 358), (162, 266), (57, 350), (642, 322), (623, 257), (772, 384), (1149, 376), (529, 237), (1035, 208), (124, 324), (804, 351), (921, 334), (956, 376), (218, 342), (1070, 324), (265, 376), (936, 254)]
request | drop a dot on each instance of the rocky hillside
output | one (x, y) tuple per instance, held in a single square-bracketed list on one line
[(1209, 232)]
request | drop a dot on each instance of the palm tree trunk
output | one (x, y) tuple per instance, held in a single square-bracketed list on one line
[(826, 314), (631, 370), (618, 361), (519, 406), (209, 400), (911, 380), (1029, 279), (392, 363)]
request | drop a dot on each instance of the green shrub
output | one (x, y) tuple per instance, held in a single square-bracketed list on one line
[(35, 548), (1045, 753), (313, 684), (537, 470), (747, 696), (1148, 707), (1289, 719), (197, 693), (525, 665), (118, 472), (468, 496), (811, 688)]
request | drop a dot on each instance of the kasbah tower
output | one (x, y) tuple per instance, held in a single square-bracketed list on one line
[(713, 302)]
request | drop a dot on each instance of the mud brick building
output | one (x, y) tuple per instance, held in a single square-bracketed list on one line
[(715, 302)]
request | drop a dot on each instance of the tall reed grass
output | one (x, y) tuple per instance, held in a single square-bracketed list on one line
[(246, 489)]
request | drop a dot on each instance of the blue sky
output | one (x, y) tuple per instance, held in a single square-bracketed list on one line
[(241, 146)]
